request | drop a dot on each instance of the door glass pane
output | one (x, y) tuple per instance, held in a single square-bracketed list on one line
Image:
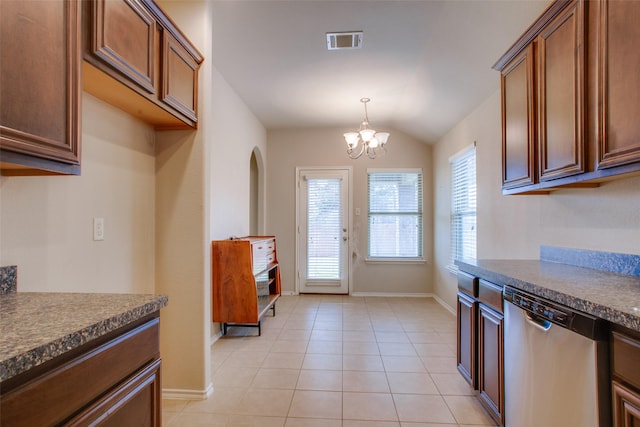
[(324, 229)]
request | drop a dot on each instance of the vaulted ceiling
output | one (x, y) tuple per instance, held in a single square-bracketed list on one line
[(424, 64)]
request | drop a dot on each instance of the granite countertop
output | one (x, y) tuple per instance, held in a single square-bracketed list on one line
[(36, 327), (611, 296)]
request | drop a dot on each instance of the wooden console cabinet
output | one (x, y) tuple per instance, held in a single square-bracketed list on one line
[(245, 280), (114, 382)]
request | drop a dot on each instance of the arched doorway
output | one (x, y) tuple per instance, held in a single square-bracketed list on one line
[(256, 193)]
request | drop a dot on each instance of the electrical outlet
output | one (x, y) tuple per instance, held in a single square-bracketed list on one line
[(98, 228)]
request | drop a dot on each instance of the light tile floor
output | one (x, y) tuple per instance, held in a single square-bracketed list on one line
[(337, 361)]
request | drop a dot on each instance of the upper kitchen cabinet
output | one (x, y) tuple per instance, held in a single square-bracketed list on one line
[(618, 83), (518, 118), (570, 97), (39, 87), (542, 90), (561, 146), (137, 59)]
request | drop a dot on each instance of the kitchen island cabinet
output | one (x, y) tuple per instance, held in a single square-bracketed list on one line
[(40, 87), (80, 359)]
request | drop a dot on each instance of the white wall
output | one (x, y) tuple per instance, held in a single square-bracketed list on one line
[(605, 218), (203, 193), (236, 133), (288, 149), (46, 222), (183, 269)]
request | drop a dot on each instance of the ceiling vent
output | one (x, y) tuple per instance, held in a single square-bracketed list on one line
[(345, 40)]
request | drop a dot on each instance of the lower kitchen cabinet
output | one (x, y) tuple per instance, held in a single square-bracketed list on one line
[(115, 382), (480, 346), (466, 353), (625, 388), (491, 361), (626, 406), (467, 307)]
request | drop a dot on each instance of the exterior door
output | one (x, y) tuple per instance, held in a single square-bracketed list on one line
[(323, 231)]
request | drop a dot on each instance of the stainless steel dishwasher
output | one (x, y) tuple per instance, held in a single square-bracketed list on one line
[(556, 365)]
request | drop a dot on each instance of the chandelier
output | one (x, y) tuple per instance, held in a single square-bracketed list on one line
[(366, 140)]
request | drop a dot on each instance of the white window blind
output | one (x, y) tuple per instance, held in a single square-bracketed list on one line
[(463, 206), (324, 226), (395, 214)]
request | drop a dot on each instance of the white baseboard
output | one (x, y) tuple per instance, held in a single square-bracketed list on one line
[(215, 337), (186, 394), (444, 304), (391, 294)]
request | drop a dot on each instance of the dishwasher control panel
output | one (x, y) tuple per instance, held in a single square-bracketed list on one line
[(538, 307), (582, 323)]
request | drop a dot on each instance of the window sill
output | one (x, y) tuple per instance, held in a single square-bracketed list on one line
[(395, 261)]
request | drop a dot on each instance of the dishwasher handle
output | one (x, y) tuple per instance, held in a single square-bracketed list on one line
[(542, 324)]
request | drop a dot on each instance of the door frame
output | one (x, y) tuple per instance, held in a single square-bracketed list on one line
[(349, 170)]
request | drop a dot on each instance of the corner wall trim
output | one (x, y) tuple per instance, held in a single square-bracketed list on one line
[(186, 394)]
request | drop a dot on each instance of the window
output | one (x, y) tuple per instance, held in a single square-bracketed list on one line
[(395, 214), (463, 205)]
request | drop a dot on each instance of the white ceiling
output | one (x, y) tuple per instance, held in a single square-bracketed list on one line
[(424, 64)]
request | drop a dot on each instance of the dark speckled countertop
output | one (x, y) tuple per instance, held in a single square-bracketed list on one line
[(611, 296), (37, 327)]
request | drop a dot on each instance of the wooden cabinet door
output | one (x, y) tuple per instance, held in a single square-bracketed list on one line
[(619, 86), (560, 73), (518, 121), (491, 361), (466, 337), (123, 37), (179, 78), (39, 83), (626, 406)]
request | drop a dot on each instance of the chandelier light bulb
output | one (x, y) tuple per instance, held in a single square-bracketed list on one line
[(367, 134), (352, 139)]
